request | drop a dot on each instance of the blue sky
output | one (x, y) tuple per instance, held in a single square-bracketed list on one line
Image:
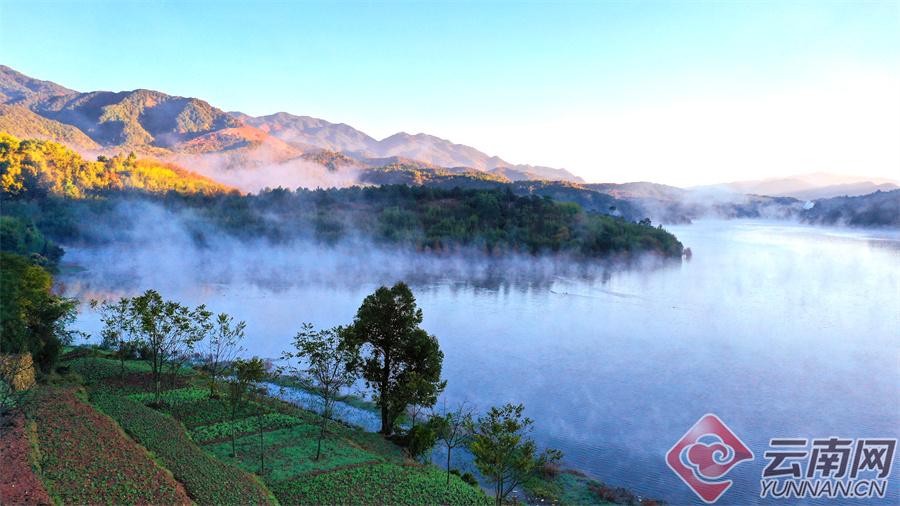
[(676, 92)]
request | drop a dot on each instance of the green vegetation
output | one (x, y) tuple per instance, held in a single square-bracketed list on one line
[(35, 168), (165, 330), (222, 346), (47, 185), (879, 209), (290, 445), (85, 459), (206, 479), (452, 430), (494, 221), (503, 450), (331, 363), (222, 430), (32, 319), (291, 452), (403, 362), (22, 237), (208, 411), (412, 174), (93, 369), (171, 396), (380, 484), (143, 441)]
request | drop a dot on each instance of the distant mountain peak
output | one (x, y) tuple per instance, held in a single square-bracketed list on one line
[(17, 87), (144, 118)]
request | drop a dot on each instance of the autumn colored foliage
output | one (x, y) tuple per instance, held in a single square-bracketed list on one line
[(34, 167)]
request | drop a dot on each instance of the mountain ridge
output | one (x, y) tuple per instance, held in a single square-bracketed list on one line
[(811, 186), (422, 147), (150, 121)]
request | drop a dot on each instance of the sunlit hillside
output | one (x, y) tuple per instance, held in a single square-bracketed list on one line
[(34, 166)]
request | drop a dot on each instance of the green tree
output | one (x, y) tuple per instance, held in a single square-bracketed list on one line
[(330, 364), (503, 450), (402, 362), (161, 326), (21, 237), (421, 438), (32, 319)]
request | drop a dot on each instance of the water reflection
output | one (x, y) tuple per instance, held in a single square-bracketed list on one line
[(781, 330)]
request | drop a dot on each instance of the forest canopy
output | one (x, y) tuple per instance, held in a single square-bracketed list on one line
[(44, 167), (69, 199)]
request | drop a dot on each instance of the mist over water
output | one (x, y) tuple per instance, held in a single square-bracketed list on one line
[(781, 330)]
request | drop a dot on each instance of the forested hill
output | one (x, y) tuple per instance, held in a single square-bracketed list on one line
[(562, 191), (878, 209), (43, 167), (495, 221), (51, 193)]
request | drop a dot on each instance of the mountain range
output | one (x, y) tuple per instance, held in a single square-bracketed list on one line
[(816, 185), (166, 126), (282, 149)]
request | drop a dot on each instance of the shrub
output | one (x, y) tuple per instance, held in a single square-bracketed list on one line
[(549, 471), (616, 495)]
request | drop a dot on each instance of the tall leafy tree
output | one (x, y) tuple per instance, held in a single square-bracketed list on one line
[(401, 362), (32, 319), (503, 450), (162, 326), (329, 363)]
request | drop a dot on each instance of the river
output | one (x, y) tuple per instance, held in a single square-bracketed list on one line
[(781, 330)]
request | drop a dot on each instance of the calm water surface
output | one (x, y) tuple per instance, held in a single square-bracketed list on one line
[(780, 330)]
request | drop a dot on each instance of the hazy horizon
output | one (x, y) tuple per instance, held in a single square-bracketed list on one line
[(680, 94)]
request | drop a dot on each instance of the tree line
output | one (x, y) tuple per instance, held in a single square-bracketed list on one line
[(384, 347), (66, 198)]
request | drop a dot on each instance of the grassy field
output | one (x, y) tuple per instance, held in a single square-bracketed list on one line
[(189, 437)]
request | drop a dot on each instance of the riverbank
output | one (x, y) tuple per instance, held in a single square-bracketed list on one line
[(265, 449), (262, 449), (553, 485)]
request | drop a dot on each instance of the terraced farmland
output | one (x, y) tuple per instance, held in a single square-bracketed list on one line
[(190, 435)]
